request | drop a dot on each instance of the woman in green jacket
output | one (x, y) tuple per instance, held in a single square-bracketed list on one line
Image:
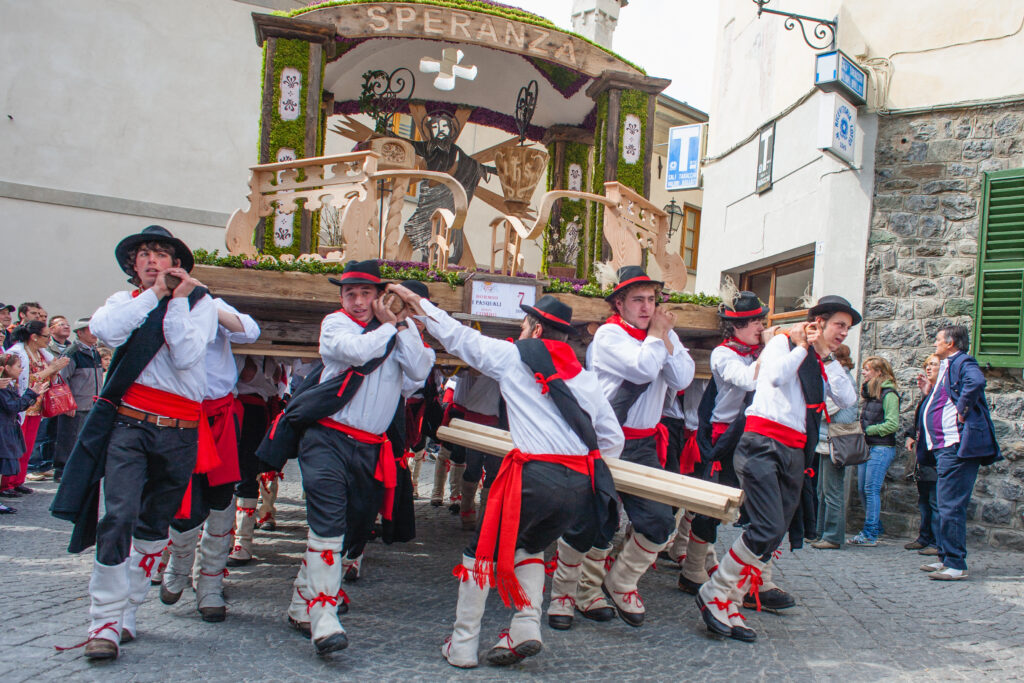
[(880, 418)]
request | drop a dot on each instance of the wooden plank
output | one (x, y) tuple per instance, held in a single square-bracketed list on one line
[(733, 494), (692, 494), (276, 350)]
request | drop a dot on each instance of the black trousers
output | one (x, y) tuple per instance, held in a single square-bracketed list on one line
[(254, 428), (148, 469), (342, 497), (654, 520), (703, 527), (772, 478), (481, 465), (676, 440), (205, 498), (556, 502)]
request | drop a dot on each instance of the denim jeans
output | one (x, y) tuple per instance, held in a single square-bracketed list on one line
[(831, 501), (927, 503), (953, 493), (870, 476)]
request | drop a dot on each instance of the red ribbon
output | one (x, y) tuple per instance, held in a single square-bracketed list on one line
[(224, 414), (93, 635), (543, 381), (809, 472), (716, 466), (750, 574), (500, 527), (148, 560), (689, 458)]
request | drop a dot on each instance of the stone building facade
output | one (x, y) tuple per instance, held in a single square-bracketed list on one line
[(921, 262)]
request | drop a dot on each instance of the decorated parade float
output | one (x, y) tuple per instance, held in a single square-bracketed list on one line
[(398, 83)]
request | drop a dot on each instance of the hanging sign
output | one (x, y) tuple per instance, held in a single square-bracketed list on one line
[(837, 127), (835, 72), (765, 155), (684, 157)]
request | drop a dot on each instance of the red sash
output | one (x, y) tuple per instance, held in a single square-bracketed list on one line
[(386, 472), (787, 436), (717, 429), (660, 434), (500, 527), (159, 402), (467, 414), (224, 414), (690, 456)]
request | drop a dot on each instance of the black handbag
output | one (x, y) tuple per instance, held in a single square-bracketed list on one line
[(846, 444)]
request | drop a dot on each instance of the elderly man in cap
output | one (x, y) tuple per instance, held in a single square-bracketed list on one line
[(146, 433), (638, 360), (5, 324), (553, 483), (337, 422), (84, 375), (797, 370)]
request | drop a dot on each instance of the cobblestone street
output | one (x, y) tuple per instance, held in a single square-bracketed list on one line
[(863, 614)]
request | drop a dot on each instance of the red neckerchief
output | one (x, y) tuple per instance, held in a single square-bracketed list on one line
[(634, 332), (564, 359), (357, 322), (136, 292), (741, 348)]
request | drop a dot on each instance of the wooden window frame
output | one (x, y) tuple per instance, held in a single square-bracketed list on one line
[(778, 318), (687, 209)]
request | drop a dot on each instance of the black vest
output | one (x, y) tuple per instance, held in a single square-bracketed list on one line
[(873, 413)]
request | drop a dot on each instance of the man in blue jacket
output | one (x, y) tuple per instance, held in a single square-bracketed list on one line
[(958, 430)]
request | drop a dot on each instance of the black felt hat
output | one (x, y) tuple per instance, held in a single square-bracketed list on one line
[(551, 311), (417, 287), (629, 276), (832, 303), (359, 273), (745, 305), (152, 233)]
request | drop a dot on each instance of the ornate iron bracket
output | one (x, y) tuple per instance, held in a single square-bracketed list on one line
[(384, 94), (823, 30), (526, 104)]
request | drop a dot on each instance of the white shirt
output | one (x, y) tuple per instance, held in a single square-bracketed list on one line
[(178, 366), (535, 424), (221, 372), (478, 393), (343, 345), (734, 377), (778, 396), (410, 386), (262, 383), (615, 356), (691, 402)]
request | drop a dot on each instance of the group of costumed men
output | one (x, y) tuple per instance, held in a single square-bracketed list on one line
[(182, 429)]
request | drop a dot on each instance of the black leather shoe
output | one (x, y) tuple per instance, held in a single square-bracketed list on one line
[(331, 643), (633, 619), (744, 634), (560, 622), (598, 613), (24, 490), (772, 600), (713, 624), (167, 597), (10, 493), (213, 615), (688, 586), (668, 559), (503, 656)]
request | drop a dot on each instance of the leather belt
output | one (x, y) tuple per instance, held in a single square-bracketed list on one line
[(158, 420)]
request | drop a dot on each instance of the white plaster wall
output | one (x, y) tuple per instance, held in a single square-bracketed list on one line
[(63, 257)]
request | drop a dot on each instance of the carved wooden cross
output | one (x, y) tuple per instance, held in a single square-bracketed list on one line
[(448, 68)]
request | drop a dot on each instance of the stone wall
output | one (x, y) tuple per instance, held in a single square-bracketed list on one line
[(921, 260)]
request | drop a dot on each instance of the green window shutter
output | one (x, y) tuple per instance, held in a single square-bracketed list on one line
[(999, 289)]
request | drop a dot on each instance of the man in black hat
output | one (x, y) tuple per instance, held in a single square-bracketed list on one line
[(734, 371), (796, 372), (552, 482), (157, 380), (346, 459), (638, 359)]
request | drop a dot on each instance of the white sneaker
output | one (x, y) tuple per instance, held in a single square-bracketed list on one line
[(932, 567), (948, 574)]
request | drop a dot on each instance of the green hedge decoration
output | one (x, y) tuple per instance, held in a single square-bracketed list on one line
[(597, 180), (633, 102), (575, 153), (292, 53)]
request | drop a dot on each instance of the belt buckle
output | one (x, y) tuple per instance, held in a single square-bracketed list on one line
[(171, 422)]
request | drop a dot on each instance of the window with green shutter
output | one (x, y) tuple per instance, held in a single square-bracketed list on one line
[(999, 286)]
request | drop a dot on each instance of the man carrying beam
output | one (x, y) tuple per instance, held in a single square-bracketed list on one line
[(552, 484), (637, 358), (797, 371)]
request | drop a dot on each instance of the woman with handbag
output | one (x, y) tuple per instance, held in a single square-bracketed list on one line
[(831, 529), (37, 367), (926, 475), (880, 418)]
